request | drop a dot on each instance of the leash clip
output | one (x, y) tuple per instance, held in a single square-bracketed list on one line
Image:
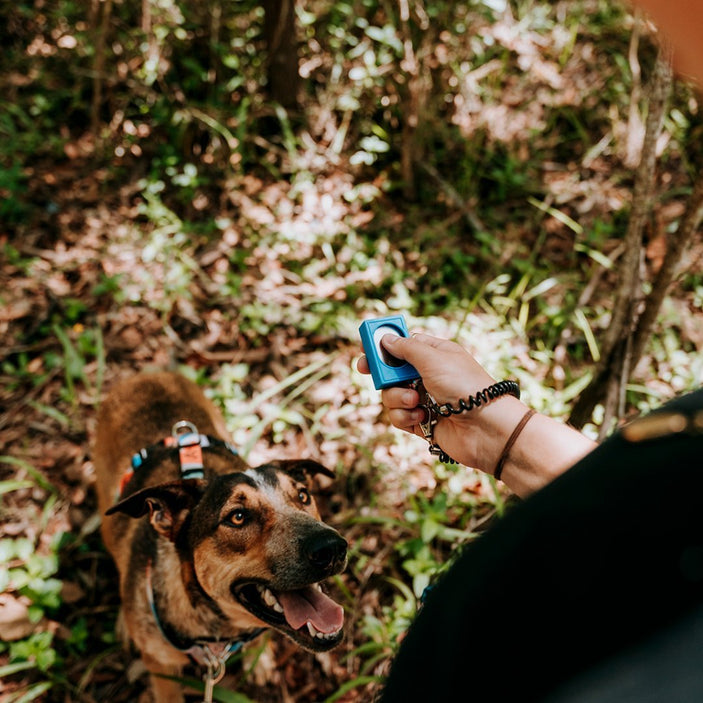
[(428, 404), (432, 414), (428, 426), (215, 671)]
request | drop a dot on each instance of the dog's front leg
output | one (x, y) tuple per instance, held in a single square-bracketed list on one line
[(163, 690)]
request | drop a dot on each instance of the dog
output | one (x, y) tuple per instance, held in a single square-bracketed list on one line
[(210, 552)]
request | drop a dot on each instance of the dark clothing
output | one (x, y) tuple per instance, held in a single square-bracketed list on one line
[(597, 575)]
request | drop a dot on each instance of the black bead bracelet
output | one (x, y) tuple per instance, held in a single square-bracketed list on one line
[(435, 411), (480, 398)]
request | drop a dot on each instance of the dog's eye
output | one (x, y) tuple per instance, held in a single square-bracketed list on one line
[(304, 496), (237, 518)]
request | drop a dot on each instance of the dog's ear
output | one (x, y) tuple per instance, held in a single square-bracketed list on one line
[(168, 504), (307, 467)]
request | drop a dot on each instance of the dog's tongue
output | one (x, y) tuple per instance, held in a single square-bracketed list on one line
[(311, 605)]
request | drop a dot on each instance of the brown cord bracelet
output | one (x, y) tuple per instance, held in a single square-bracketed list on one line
[(509, 444)]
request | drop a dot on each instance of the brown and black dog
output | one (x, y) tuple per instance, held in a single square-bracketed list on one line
[(209, 550)]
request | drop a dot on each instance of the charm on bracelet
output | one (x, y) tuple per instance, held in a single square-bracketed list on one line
[(429, 405)]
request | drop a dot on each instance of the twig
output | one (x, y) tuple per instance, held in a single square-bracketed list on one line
[(583, 301), (634, 122), (455, 198), (677, 245)]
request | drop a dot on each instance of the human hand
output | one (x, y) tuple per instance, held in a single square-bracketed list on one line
[(449, 373)]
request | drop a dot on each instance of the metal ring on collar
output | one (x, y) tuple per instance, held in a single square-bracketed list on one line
[(181, 425)]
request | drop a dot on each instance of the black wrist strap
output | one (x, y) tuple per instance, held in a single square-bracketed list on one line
[(481, 398), (436, 411)]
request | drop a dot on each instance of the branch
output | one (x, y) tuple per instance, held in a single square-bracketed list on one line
[(616, 361), (677, 245)]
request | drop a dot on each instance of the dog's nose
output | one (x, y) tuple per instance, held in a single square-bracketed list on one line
[(326, 551)]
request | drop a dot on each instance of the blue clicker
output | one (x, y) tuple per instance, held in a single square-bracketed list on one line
[(386, 370)]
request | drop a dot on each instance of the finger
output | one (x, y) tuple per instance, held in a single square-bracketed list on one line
[(402, 398), (430, 341), (362, 365), (408, 420)]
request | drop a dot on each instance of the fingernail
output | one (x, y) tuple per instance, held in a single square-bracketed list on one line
[(409, 399)]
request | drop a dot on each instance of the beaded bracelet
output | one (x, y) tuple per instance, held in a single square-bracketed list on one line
[(481, 398)]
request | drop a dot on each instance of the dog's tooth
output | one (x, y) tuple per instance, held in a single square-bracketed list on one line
[(270, 599), (314, 632)]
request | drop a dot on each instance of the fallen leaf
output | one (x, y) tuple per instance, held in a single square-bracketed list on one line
[(14, 618)]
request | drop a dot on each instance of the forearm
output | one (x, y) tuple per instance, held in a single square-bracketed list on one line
[(543, 450), (477, 437)]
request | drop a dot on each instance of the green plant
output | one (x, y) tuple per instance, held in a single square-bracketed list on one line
[(432, 520), (79, 345), (251, 417), (31, 576), (383, 631), (13, 187), (433, 530)]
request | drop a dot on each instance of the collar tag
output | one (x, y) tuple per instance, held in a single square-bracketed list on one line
[(190, 449), (191, 458)]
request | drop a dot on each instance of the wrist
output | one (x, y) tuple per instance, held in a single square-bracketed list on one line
[(459, 422), (479, 399), (544, 449), (493, 428), (497, 472)]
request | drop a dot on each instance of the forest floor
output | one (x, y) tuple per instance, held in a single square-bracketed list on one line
[(254, 286)]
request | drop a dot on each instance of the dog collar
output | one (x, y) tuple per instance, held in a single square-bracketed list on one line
[(204, 651), (190, 444)]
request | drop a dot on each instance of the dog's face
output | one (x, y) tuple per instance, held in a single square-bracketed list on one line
[(257, 546)]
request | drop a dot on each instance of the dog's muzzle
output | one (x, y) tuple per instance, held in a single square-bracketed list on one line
[(326, 552)]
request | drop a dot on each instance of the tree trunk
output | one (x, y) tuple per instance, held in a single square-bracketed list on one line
[(282, 46), (102, 26)]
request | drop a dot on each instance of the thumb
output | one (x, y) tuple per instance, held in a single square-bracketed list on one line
[(419, 350), (404, 348)]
